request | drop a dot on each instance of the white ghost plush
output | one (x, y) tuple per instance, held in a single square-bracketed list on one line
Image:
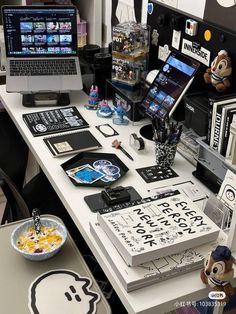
[(62, 291)]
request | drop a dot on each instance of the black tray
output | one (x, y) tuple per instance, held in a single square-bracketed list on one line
[(90, 158)]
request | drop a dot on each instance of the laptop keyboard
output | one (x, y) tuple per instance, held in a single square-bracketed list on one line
[(42, 67)]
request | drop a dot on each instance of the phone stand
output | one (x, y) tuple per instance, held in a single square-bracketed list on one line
[(111, 199), (45, 99)]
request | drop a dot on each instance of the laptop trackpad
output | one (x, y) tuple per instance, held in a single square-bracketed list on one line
[(44, 83)]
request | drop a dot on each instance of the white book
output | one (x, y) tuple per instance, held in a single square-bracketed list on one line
[(223, 120), (153, 228), (164, 268), (214, 120)]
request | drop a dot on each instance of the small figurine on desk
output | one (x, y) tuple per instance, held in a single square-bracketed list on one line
[(218, 270), (104, 110), (219, 71), (121, 112), (93, 98)]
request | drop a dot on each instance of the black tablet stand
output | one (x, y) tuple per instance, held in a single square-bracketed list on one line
[(45, 99)]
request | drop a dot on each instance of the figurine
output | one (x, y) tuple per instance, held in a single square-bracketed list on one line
[(93, 98), (104, 110), (219, 71), (155, 36), (121, 112), (218, 270)]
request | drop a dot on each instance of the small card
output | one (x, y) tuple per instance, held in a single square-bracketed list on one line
[(156, 173), (63, 147), (107, 130), (218, 212), (227, 192), (85, 174)]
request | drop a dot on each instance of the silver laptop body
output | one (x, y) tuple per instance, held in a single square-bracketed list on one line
[(41, 49)]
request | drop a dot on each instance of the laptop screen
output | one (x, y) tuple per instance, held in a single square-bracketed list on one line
[(40, 31)]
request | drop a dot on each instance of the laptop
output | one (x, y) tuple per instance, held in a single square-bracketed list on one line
[(41, 49)]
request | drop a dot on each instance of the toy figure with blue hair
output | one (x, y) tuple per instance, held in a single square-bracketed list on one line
[(121, 111)]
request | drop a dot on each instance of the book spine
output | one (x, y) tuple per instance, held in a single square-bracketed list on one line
[(231, 116), (217, 129), (113, 238), (208, 136)]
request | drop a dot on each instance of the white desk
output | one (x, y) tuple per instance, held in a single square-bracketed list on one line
[(158, 298)]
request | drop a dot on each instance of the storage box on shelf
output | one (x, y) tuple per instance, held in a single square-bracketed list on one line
[(130, 51), (211, 166), (82, 33)]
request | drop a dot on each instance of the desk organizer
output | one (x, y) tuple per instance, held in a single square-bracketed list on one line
[(87, 158), (211, 166), (130, 54)]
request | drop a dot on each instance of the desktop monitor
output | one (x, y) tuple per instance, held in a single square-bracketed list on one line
[(167, 89)]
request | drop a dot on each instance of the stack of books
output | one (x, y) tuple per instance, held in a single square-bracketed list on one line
[(222, 114), (156, 238)]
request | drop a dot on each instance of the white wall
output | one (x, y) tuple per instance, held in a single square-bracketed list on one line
[(171, 3), (106, 16), (193, 7)]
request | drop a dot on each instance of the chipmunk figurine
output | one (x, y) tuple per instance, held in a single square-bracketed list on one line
[(218, 270), (219, 71)]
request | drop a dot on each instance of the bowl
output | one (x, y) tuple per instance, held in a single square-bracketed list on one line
[(47, 222)]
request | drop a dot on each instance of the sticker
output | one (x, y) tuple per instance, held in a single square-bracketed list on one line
[(41, 127), (70, 172), (62, 291), (198, 53), (110, 178), (176, 39), (98, 164), (63, 147), (110, 170), (150, 8), (87, 175), (207, 35)]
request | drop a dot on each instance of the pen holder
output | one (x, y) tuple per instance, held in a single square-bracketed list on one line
[(165, 154)]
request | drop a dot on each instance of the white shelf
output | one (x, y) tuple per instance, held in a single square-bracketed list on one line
[(2, 73), (91, 11)]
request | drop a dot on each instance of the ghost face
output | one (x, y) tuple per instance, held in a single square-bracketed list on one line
[(62, 291)]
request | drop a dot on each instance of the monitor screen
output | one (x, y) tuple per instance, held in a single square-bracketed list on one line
[(40, 30), (169, 85)]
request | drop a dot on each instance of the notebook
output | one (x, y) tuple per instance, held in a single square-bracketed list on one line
[(71, 142), (54, 121), (41, 49)]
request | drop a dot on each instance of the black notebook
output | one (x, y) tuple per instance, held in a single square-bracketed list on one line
[(71, 142), (54, 121)]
